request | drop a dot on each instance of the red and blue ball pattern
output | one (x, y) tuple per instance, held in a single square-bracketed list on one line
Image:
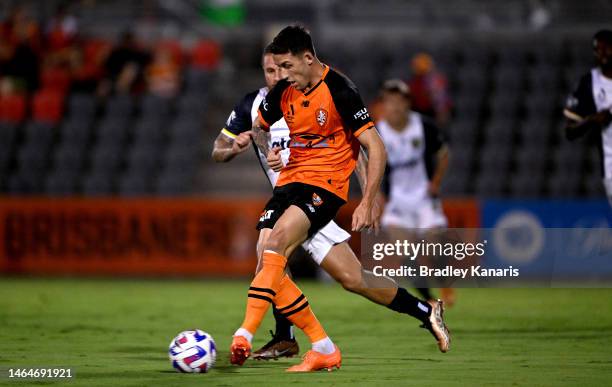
[(192, 351)]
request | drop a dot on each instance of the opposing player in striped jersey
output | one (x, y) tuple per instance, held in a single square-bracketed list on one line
[(589, 107), (416, 163), (328, 247)]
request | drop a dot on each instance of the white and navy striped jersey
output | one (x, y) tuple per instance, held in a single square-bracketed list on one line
[(594, 94), (241, 119), (411, 158)]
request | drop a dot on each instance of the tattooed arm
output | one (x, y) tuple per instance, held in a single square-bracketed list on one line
[(261, 137)]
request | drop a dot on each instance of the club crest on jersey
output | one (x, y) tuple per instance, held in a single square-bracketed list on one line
[(316, 200), (321, 116), (602, 95), (416, 142)]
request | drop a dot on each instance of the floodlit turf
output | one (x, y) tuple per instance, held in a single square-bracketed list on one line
[(116, 333)]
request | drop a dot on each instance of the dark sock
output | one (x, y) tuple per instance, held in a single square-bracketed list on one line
[(425, 293), (406, 303), (283, 326)]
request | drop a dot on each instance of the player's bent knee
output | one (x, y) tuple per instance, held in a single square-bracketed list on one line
[(351, 281), (277, 242)]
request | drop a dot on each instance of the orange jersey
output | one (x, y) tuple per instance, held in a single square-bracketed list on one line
[(324, 124)]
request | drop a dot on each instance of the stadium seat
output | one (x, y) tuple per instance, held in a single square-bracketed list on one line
[(507, 79), (171, 184), (56, 79), (495, 161), (61, 183), (490, 185), (75, 131), (112, 131), (48, 106), (197, 82), (454, 185), (6, 155), (526, 185), (542, 77), (568, 157), (504, 107), (99, 184), (143, 159), (471, 79), (149, 131), (24, 183), (13, 108), (191, 107), (531, 159), (564, 184), (154, 107), (81, 106), (134, 184), (33, 158), (534, 131), (181, 158), (499, 133), (68, 157), (8, 133), (120, 106), (39, 132), (106, 158), (185, 130)]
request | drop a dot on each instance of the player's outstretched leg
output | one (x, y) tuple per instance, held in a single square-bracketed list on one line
[(294, 306), (283, 343), (342, 264), (431, 314)]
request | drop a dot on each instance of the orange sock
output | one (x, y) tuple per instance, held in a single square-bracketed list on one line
[(292, 304), (263, 289)]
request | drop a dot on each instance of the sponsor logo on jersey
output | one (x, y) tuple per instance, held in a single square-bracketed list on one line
[(265, 105), (361, 114), (266, 215), (231, 118), (310, 207), (321, 116), (311, 140), (316, 199), (283, 143)]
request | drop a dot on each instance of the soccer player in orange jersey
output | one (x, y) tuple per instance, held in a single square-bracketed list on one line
[(328, 122)]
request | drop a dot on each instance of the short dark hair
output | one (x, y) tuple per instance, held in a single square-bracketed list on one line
[(294, 39), (603, 36), (396, 86)]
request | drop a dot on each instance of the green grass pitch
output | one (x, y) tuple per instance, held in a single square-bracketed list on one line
[(116, 333)]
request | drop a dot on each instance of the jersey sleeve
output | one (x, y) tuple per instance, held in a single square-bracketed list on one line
[(349, 104), (580, 103), (270, 109), (239, 120)]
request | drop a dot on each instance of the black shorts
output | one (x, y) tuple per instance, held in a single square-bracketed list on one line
[(319, 205)]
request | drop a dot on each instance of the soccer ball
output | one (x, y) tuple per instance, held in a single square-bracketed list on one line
[(192, 351)]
